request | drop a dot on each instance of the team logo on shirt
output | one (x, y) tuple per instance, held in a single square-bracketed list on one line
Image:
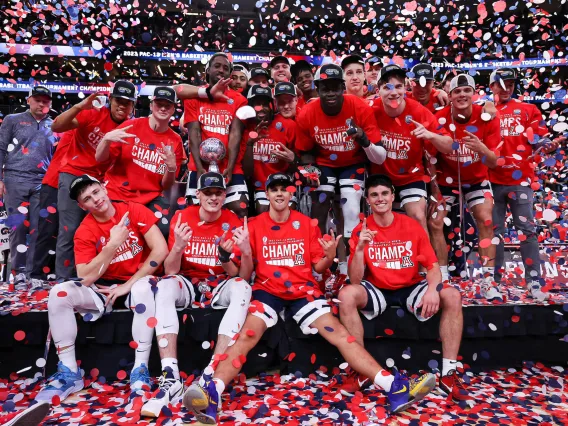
[(284, 252), (334, 138), (128, 250), (517, 112), (202, 250), (510, 126), (296, 224), (148, 157), (95, 137), (395, 254), (263, 150), (396, 145), (214, 120), (463, 154)]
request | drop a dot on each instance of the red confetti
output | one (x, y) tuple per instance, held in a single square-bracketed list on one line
[(19, 335), (152, 322), (121, 375)]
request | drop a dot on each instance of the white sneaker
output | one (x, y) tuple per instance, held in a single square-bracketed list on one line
[(489, 290), (170, 389), (535, 290), (31, 416), (20, 281)]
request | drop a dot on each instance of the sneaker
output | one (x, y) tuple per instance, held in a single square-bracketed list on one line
[(405, 392), (31, 416), (354, 382), (202, 402), (489, 290), (170, 389), (140, 380), (61, 384), (20, 281), (535, 291), (452, 384), (37, 284)]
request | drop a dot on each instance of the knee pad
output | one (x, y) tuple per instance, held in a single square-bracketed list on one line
[(239, 290), (352, 205)]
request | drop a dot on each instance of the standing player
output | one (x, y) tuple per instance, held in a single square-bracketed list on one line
[(464, 171), (423, 90), (285, 246), (353, 68), (387, 249), (372, 67), (408, 132), (513, 176), (325, 126), (91, 124), (201, 282), (258, 76), (280, 69), (269, 142), (303, 77), (116, 245), (146, 155), (286, 100), (206, 118), (239, 78)]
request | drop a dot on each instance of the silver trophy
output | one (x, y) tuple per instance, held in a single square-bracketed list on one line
[(212, 151)]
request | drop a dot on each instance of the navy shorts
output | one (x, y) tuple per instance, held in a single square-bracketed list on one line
[(346, 177)]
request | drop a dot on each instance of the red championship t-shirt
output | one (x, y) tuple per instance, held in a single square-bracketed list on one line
[(433, 106), (284, 253), (80, 158), (137, 170), (472, 168), (215, 119), (328, 134), (51, 177), (393, 258), (281, 131), (92, 236), (404, 162), (517, 120), (200, 259)]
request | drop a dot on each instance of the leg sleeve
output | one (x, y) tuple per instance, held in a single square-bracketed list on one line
[(235, 295)]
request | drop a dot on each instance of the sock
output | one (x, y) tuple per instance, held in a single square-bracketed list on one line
[(142, 355), (220, 386), (488, 271), (445, 274), (343, 268), (67, 358), (448, 365), (384, 379), (173, 364)]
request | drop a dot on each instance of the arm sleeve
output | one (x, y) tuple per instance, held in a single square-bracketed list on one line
[(144, 217), (5, 138), (85, 246), (304, 140), (316, 252), (191, 113)]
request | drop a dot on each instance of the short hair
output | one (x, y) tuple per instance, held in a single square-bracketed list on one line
[(378, 180), (85, 187), (399, 77)]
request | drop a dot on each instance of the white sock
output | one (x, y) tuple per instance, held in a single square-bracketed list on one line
[(142, 354), (445, 274), (448, 365), (67, 358), (488, 271), (343, 268), (384, 379), (173, 364), (220, 386)]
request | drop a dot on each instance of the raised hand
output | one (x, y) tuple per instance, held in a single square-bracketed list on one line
[(218, 89), (329, 244), (119, 232), (87, 103), (241, 238), (283, 153), (169, 156), (182, 233), (118, 135), (421, 132), (365, 236), (473, 143)]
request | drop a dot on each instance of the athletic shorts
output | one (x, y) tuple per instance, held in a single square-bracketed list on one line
[(304, 311), (201, 293), (474, 194), (378, 300), (346, 177), (410, 193), (235, 189)]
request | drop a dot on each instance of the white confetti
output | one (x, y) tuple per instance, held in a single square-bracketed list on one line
[(206, 345), (163, 343), (390, 363), (549, 215), (22, 248)]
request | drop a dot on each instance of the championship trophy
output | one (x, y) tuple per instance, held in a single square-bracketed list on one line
[(212, 151)]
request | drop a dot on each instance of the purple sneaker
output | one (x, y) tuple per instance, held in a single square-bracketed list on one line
[(203, 402)]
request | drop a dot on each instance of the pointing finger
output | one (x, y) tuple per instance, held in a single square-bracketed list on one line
[(179, 220), (124, 219), (245, 226), (364, 228)]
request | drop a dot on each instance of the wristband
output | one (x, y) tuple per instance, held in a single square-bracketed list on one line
[(224, 255), (209, 95), (202, 93), (171, 171), (364, 140)]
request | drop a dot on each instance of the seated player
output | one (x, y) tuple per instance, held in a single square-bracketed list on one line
[(387, 249), (116, 245), (285, 246), (200, 282), (286, 100), (146, 155), (269, 143), (408, 130), (465, 171)]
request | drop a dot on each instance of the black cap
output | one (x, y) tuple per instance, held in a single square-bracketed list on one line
[(279, 59), (300, 66), (165, 93), (279, 179), (39, 91), (124, 89), (259, 91), (502, 74), (389, 70), (352, 59), (374, 60), (211, 180), (79, 183), (285, 88), (259, 71), (423, 70), (329, 72)]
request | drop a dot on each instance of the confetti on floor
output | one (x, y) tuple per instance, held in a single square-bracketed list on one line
[(535, 395)]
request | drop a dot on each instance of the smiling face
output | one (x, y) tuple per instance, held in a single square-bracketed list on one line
[(280, 72), (380, 198), (238, 81), (39, 105), (422, 93), (392, 92), (94, 199), (162, 110), (211, 199), (331, 95), (462, 97), (278, 197), (305, 81), (354, 78), (258, 79), (263, 107), (286, 105), (504, 94), (219, 68), (120, 109), (372, 73)]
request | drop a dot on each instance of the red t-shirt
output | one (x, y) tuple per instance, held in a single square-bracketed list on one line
[(405, 152), (281, 130), (433, 106), (80, 158), (215, 119), (200, 259), (284, 254), (393, 258), (472, 168), (137, 170), (92, 236), (51, 177), (516, 117), (328, 133)]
